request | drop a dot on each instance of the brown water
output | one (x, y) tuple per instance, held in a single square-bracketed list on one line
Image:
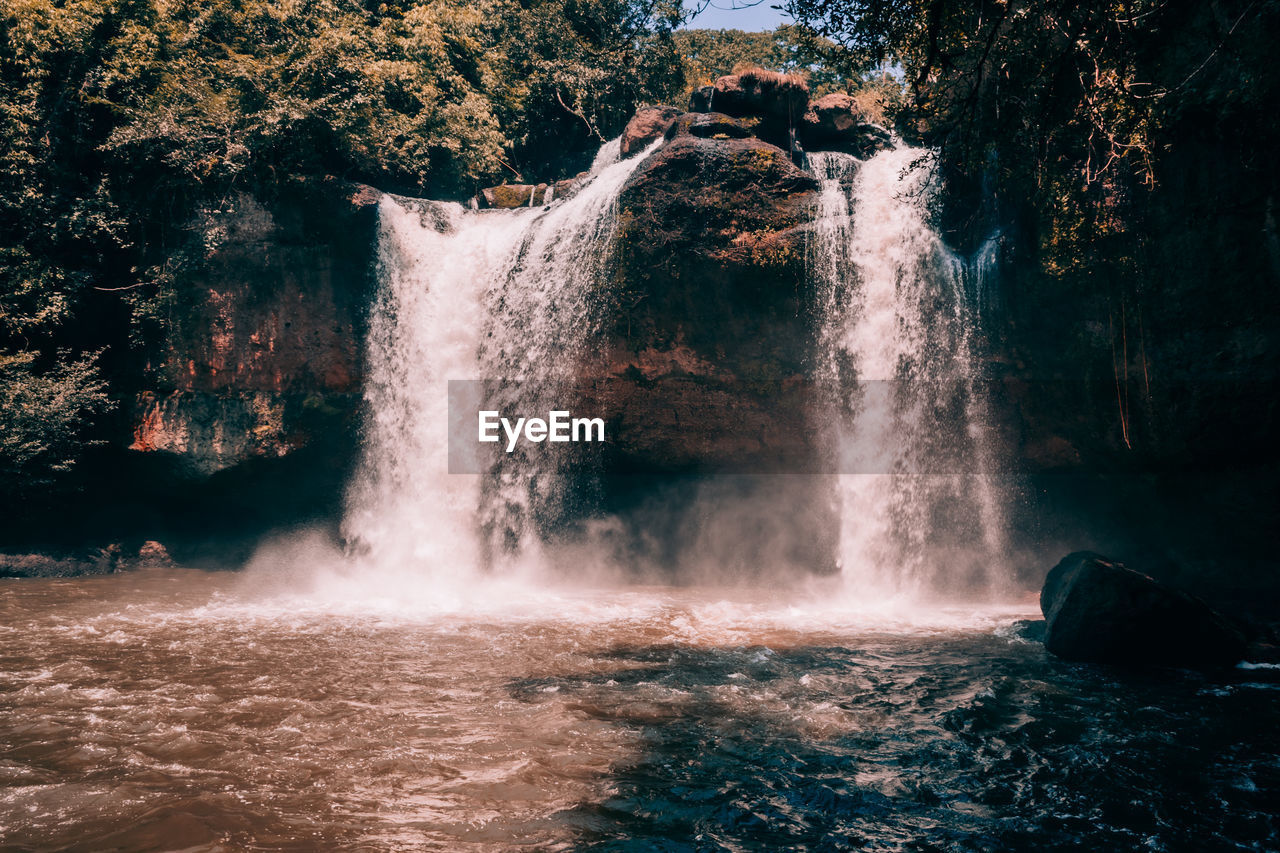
[(178, 710)]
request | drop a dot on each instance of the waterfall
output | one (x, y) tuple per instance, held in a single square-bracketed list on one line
[(897, 360), (500, 296), (514, 298)]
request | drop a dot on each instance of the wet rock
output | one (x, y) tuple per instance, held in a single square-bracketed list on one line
[(511, 196), (153, 555), (569, 186), (700, 99), (360, 197), (713, 126), (709, 328), (1031, 630), (100, 561), (834, 123), (1099, 610), (706, 353), (735, 200), (647, 125)]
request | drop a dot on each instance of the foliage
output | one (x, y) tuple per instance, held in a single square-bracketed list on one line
[(121, 119), (709, 54), (1081, 99), (117, 117), (44, 415)]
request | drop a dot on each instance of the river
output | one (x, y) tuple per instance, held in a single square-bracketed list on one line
[(184, 710)]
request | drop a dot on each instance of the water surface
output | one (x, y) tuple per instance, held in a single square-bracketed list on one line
[(180, 710)]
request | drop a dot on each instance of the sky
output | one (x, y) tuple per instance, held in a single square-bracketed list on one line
[(721, 15)]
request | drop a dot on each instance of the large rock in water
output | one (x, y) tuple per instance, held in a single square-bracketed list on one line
[(1099, 610), (712, 287)]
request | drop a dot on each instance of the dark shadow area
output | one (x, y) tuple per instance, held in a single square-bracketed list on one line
[(922, 743), (214, 522), (1207, 532)]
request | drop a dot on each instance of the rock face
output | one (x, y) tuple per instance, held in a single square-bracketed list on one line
[(778, 100), (708, 345), (247, 419), (834, 123), (1098, 610), (271, 337), (512, 196), (712, 278), (647, 125)]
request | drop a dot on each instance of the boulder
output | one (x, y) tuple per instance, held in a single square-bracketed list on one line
[(778, 100), (710, 326), (510, 196), (647, 125), (834, 123), (834, 114), (757, 92), (700, 99), (713, 126), (1099, 610), (153, 555)]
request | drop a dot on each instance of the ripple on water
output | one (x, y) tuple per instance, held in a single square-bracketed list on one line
[(154, 714)]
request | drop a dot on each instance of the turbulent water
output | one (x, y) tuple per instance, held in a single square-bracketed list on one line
[(180, 710)]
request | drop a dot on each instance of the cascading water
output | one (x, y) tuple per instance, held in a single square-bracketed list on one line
[(919, 512), (505, 296), (512, 297)]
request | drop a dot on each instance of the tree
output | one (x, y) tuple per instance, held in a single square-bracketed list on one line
[(44, 418)]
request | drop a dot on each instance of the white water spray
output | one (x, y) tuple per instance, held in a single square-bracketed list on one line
[(919, 512), (505, 296)]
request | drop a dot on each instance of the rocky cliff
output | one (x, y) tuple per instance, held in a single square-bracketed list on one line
[(249, 416), (266, 347), (243, 416), (250, 419)]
